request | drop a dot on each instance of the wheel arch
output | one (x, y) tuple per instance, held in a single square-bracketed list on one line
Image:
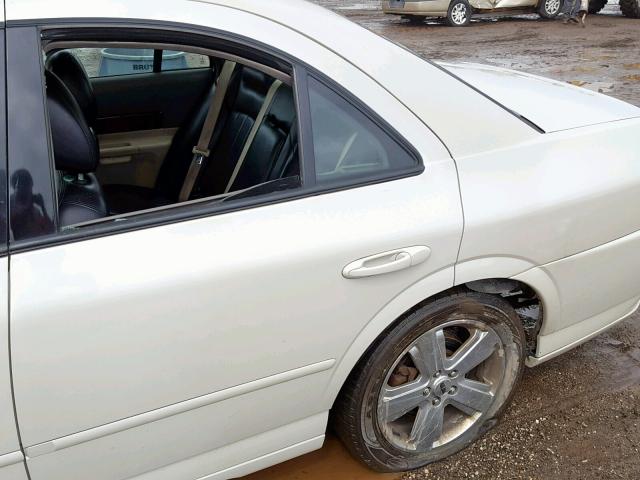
[(424, 292)]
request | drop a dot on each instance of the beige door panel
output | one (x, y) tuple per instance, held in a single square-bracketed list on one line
[(133, 158)]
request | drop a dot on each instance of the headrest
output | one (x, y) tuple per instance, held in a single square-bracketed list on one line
[(252, 89), (74, 144), (69, 69)]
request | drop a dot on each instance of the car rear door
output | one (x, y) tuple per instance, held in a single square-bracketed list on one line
[(181, 347)]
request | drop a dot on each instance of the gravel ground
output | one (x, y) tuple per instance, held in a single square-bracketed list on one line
[(578, 416)]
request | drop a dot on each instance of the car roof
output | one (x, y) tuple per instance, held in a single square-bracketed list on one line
[(434, 95)]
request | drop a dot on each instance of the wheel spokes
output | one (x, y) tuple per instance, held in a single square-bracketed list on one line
[(472, 397), (398, 401), (475, 350), (427, 428), (441, 384), (429, 353)]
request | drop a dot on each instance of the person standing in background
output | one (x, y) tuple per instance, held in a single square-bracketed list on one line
[(582, 13), (575, 11)]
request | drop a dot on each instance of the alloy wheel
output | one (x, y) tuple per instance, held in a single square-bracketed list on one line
[(459, 13), (552, 7), (441, 385)]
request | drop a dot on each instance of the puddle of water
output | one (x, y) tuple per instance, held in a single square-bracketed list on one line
[(331, 461)]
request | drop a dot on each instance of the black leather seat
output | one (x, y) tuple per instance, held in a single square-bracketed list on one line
[(129, 198), (273, 151), (242, 104), (69, 69), (76, 152)]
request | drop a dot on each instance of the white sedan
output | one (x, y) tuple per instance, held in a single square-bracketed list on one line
[(232, 221)]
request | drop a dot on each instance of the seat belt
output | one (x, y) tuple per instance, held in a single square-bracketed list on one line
[(268, 100), (201, 150)]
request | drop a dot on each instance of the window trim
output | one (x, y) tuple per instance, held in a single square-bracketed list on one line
[(28, 94), (4, 164), (160, 47), (59, 30)]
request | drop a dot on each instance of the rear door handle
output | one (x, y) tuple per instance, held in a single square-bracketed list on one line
[(387, 262)]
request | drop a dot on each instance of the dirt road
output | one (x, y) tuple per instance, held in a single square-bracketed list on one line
[(578, 416)]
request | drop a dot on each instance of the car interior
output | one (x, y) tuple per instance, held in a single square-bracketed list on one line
[(129, 143)]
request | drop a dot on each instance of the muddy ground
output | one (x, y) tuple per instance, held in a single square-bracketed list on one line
[(578, 416), (604, 56)]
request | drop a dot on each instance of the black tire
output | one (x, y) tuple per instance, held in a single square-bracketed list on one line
[(549, 9), (355, 418), (630, 8), (453, 14), (596, 5)]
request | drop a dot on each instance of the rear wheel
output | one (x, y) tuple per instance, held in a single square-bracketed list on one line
[(459, 13), (433, 384), (596, 5), (630, 8), (549, 8)]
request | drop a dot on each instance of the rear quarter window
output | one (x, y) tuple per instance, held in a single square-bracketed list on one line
[(348, 143)]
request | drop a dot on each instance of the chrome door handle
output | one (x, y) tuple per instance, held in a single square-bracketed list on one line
[(387, 262)]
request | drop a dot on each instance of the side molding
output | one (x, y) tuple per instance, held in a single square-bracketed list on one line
[(171, 410)]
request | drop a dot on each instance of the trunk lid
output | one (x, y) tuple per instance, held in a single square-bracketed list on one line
[(549, 104)]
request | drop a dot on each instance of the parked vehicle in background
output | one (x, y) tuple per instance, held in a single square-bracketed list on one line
[(629, 8), (458, 13)]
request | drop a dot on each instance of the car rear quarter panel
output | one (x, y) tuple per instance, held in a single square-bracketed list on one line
[(561, 212)]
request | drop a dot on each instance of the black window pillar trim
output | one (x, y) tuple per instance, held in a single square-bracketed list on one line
[(305, 134), (157, 60), (32, 193), (4, 170)]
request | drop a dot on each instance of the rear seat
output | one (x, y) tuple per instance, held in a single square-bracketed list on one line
[(270, 153), (273, 151)]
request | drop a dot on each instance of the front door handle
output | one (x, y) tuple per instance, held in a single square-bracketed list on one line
[(387, 262)]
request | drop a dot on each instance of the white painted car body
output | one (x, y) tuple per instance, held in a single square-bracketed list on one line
[(549, 104), (133, 359)]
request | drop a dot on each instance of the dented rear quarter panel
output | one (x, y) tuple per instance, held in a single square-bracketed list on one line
[(562, 213)]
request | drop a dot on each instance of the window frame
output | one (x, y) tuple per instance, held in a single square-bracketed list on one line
[(4, 167), (29, 148), (142, 32)]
